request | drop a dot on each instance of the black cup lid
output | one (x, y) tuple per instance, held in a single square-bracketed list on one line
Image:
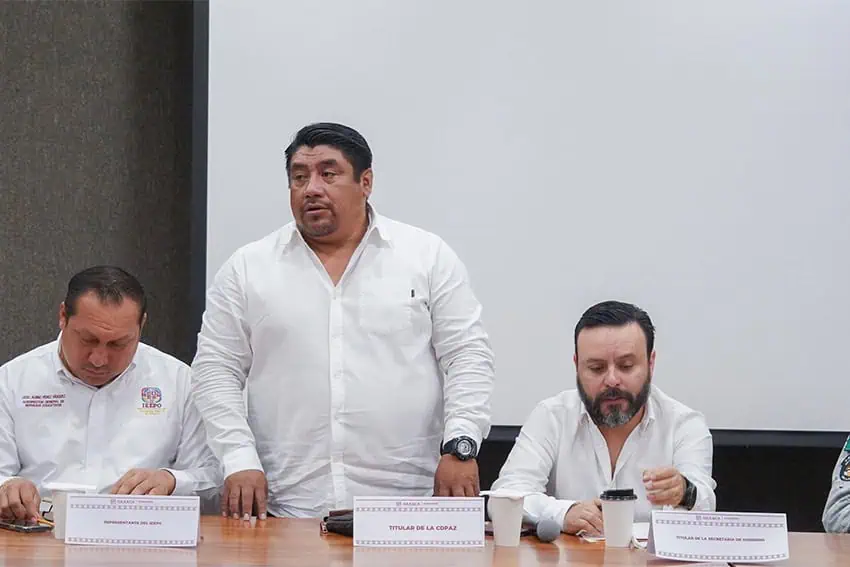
[(619, 494)]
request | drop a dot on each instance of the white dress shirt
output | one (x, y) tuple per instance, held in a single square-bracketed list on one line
[(350, 388), (56, 428), (561, 456)]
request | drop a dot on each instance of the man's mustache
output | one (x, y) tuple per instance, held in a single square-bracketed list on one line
[(615, 393)]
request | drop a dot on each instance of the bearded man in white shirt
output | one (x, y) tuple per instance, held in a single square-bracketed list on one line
[(359, 342), (97, 407), (614, 431)]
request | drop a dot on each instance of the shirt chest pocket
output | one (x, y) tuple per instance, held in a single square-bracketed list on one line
[(386, 306)]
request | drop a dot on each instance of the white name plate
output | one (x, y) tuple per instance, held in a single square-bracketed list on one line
[(418, 522), (718, 536), (132, 521)]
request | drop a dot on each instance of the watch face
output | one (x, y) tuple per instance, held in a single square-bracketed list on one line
[(464, 447)]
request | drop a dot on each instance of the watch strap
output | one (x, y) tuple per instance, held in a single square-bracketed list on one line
[(689, 498)]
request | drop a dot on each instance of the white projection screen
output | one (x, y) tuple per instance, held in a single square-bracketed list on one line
[(690, 157)]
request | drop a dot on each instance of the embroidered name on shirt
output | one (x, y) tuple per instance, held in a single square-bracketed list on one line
[(151, 401), (43, 401)]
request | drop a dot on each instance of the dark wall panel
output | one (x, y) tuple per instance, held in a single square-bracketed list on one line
[(95, 134)]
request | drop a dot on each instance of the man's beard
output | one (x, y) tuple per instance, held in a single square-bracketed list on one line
[(320, 229), (615, 417)]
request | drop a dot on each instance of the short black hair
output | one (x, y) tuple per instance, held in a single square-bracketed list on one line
[(343, 138), (617, 314), (111, 285)]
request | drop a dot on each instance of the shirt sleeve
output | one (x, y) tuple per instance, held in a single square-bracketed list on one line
[(836, 513), (462, 348), (692, 457), (10, 465), (220, 369), (529, 467), (195, 468)]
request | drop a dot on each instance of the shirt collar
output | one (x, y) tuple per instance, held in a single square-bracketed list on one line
[(377, 225), (583, 414), (649, 415), (63, 372)]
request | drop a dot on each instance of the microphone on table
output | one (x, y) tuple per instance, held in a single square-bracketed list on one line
[(548, 530)]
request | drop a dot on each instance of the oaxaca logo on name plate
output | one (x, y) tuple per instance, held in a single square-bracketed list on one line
[(151, 401)]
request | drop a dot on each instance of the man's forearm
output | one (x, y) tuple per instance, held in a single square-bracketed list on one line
[(836, 515), (468, 390), (219, 400)]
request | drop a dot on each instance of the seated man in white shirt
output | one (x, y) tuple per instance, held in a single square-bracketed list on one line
[(615, 431), (97, 407), (359, 342), (836, 513)]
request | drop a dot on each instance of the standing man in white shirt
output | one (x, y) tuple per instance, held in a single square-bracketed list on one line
[(615, 431), (359, 341), (97, 407)]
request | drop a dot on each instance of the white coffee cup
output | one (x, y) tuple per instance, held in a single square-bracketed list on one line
[(506, 515), (618, 514)]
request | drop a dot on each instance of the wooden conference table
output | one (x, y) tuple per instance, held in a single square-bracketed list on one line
[(299, 543)]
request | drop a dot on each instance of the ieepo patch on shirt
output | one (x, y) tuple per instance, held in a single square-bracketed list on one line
[(151, 401), (844, 469)]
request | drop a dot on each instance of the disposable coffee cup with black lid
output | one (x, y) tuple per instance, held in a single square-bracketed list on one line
[(618, 513)]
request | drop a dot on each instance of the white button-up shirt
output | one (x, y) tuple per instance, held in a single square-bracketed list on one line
[(56, 428), (351, 388), (561, 456)]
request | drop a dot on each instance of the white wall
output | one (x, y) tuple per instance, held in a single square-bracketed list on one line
[(691, 157)]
